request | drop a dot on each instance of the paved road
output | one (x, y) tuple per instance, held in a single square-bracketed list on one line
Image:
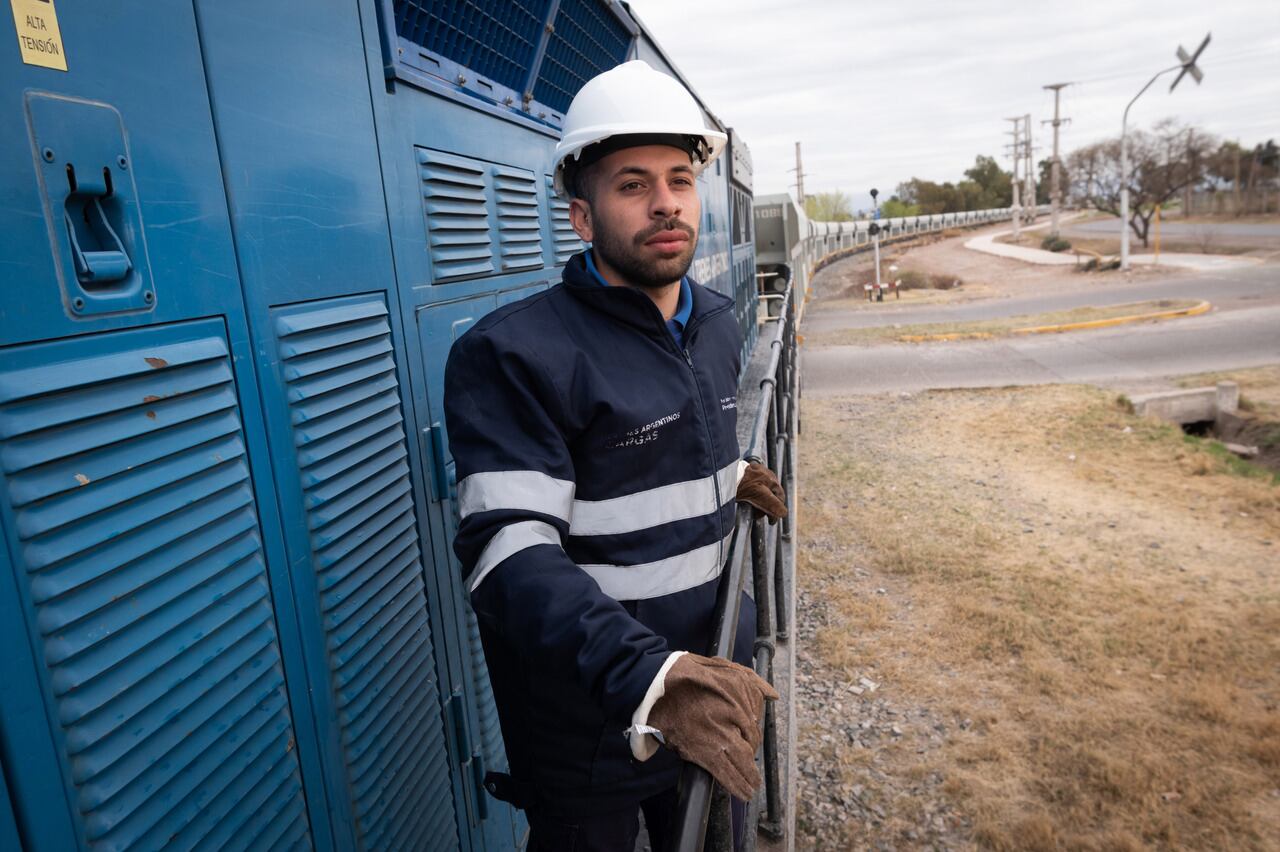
[(1239, 289), (1125, 354), (1186, 229)]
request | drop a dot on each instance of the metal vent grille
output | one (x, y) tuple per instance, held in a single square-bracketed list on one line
[(453, 189), (336, 357), (495, 39), (143, 566), (520, 237), (587, 39), (564, 240)]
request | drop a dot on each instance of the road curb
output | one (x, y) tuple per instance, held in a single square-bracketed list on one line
[(1195, 310)]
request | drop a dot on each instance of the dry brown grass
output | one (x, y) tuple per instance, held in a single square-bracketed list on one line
[(997, 327), (1097, 595), (1260, 387)]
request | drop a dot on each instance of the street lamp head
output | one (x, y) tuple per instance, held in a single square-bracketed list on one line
[(874, 193)]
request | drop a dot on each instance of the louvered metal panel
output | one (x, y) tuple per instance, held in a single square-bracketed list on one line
[(586, 39), (494, 38), (337, 361), (564, 240), (458, 233), (126, 470), (519, 228)]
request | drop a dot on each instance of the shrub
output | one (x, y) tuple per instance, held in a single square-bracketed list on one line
[(912, 280), (1054, 243)]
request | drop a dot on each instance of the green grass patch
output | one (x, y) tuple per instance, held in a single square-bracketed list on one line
[(1230, 462)]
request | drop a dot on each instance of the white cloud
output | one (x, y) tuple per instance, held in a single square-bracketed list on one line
[(878, 93)]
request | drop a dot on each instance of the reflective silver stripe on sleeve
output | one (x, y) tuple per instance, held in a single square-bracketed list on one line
[(524, 490), (511, 539), (664, 577), (655, 506)]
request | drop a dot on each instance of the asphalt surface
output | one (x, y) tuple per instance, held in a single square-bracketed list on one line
[(1233, 290), (1242, 331), (1187, 229)]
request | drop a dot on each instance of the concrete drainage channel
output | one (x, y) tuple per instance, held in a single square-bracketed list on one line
[(1208, 412)]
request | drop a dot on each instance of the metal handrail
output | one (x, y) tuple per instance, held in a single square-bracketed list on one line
[(703, 812)]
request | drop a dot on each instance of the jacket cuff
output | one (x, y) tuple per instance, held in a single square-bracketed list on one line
[(742, 469), (644, 739)]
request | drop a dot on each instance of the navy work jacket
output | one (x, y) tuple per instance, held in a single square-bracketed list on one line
[(597, 468)]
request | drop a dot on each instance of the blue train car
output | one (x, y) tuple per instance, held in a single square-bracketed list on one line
[(240, 239)]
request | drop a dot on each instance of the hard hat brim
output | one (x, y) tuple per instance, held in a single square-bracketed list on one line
[(572, 147)]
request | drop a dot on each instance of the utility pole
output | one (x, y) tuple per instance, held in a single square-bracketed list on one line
[(799, 170), (1029, 172), (1017, 157), (1055, 175)]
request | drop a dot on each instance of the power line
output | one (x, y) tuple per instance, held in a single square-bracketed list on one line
[(1219, 60)]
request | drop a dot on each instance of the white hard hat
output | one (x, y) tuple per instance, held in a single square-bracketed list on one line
[(633, 99)]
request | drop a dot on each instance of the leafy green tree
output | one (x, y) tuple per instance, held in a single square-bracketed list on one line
[(985, 185), (896, 208), (828, 207), (992, 185)]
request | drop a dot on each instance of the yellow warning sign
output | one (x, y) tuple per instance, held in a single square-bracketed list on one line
[(38, 35)]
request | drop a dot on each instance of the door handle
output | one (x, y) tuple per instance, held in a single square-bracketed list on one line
[(107, 260)]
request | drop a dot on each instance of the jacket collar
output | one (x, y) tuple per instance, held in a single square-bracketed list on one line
[(627, 304)]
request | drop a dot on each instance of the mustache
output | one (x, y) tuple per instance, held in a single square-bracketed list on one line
[(671, 224)]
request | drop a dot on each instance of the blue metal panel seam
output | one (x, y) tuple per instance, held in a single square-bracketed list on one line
[(316, 761)]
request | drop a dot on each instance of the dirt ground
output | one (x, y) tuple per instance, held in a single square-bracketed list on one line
[(1031, 620), (981, 276)]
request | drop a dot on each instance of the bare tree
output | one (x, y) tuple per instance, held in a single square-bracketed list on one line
[(1161, 163)]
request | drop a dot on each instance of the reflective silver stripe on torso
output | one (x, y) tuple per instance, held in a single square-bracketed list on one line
[(509, 540), (521, 490), (655, 506), (664, 577)]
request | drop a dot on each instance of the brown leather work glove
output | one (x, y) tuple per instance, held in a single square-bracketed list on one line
[(761, 489), (709, 714)]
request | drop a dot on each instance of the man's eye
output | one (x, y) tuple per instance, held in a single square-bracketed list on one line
[(629, 185)]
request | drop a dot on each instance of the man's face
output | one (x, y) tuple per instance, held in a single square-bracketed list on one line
[(642, 218)]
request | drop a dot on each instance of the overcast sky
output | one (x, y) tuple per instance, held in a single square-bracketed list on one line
[(882, 92)]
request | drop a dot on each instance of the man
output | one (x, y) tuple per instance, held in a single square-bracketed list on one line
[(594, 430)]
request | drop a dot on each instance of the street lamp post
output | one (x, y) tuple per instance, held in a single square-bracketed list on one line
[(1188, 66)]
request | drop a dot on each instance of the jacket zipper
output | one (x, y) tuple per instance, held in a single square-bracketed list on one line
[(711, 445), (702, 405)]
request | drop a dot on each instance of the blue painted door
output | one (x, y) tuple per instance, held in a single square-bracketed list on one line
[(493, 823), (155, 694), (290, 91)]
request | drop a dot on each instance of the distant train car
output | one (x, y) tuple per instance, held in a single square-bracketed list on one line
[(791, 246)]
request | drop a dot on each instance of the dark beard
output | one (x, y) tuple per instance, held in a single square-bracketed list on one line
[(637, 271)]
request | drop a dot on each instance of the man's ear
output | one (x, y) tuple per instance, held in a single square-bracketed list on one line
[(580, 218)]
